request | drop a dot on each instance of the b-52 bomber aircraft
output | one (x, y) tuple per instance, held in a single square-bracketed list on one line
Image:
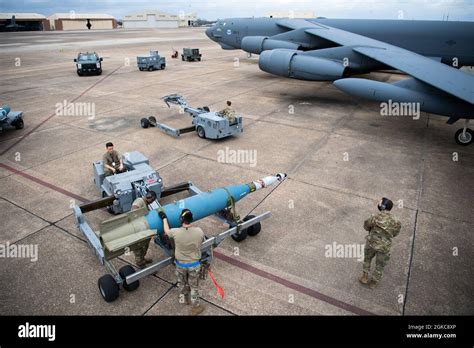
[(432, 52)]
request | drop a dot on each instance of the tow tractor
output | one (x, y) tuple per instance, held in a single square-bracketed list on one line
[(126, 233), (191, 55), (207, 124), (152, 62)]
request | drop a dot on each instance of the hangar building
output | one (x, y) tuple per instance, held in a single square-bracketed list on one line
[(81, 21), (156, 19), (24, 22)]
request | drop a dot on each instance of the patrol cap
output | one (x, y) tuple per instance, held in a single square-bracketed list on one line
[(186, 216), (386, 204)]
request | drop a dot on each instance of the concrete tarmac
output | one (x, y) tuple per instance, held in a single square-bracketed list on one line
[(341, 155)]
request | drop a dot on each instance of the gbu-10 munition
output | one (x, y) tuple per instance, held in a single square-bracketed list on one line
[(123, 231), (208, 203), (130, 232)]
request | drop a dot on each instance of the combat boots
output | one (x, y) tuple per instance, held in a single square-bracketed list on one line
[(365, 278), (196, 310), (373, 284), (142, 262)]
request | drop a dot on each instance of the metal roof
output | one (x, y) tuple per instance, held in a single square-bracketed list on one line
[(142, 16), (73, 15), (21, 15)]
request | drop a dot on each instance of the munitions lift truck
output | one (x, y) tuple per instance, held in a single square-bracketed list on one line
[(153, 62), (127, 276), (207, 124), (10, 118), (139, 179)]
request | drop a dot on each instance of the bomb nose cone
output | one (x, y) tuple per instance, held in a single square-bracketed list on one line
[(267, 181)]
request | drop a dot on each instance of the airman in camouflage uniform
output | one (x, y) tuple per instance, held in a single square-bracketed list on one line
[(187, 252), (112, 161), (382, 228), (228, 113), (140, 253)]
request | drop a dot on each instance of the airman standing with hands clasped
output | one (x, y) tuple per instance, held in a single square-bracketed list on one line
[(382, 228)]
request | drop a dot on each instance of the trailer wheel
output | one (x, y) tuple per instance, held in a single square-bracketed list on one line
[(150, 68), (254, 229), (79, 73), (163, 67), (241, 236), (201, 132), (18, 124), (145, 123), (199, 59), (108, 288), (124, 272), (141, 69), (152, 120)]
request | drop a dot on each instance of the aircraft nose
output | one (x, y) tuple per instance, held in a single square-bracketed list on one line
[(209, 33)]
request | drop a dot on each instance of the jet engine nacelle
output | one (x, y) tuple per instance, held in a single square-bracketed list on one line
[(290, 63), (258, 44), (407, 91)]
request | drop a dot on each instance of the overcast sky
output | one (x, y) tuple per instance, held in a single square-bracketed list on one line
[(213, 9)]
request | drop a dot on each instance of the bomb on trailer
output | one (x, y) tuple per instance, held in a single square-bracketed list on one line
[(124, 233)]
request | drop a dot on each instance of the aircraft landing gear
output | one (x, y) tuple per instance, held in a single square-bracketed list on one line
[(464, 136)]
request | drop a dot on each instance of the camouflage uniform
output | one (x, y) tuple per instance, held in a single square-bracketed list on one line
[(142, 250), (382, 229), (111, 159), (228, 113), (188, 284), (187, 251)]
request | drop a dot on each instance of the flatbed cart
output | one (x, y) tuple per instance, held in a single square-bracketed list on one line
[(207, 124), (127, 277)]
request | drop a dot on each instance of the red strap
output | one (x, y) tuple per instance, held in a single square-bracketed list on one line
[(219, 289)]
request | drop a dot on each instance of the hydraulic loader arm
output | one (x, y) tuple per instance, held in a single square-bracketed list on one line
[(177, 99)]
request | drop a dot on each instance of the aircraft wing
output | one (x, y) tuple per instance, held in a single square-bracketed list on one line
[(293, 24), (427, 70)]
